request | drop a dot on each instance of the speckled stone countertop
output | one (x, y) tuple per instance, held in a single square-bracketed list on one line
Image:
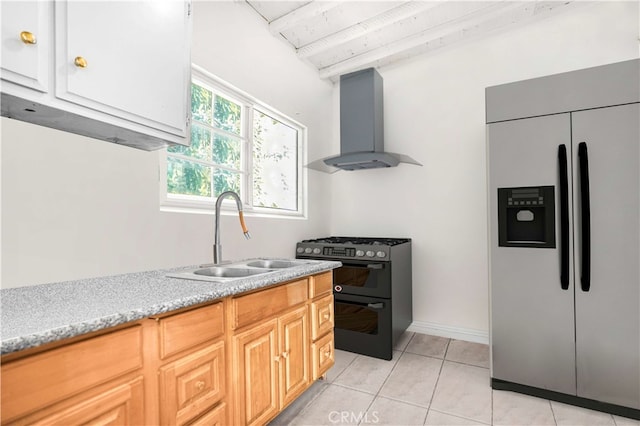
[(35, 315)]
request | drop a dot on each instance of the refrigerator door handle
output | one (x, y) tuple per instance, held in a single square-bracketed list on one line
[(564, 217), (583, 157)]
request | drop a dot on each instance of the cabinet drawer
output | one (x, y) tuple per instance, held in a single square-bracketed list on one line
[(321, 284), (185, 330), (215, 417), (321, 316), (322, 355), (263, 304), (192, 384), (43, 379)]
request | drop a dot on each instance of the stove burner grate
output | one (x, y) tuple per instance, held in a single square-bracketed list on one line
[(359, 241)]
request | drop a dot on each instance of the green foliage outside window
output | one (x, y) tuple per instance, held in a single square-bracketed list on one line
[(209, 113), (213, 163)]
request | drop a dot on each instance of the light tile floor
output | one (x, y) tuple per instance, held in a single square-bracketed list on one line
[(430, 381)]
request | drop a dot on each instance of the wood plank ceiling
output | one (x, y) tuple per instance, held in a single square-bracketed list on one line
[(338, 37)]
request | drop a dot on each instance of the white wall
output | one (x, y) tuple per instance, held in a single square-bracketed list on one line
[(434, 111), (74, 207)]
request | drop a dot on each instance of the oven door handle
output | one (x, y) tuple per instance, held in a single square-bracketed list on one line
[(378, 305), (361, 266)]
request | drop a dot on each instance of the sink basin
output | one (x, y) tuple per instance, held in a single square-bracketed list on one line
[(238, 270), (227, 272), (275, 264)]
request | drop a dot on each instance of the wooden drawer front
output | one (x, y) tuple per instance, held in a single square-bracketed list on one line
[(215, 417), (321, 316), (321, 284), (40, 380), (323, 355), (192, 384), (185, 330), (263, 304), (122, 404)]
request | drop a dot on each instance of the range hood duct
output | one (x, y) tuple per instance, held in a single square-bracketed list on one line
[(361, 127)]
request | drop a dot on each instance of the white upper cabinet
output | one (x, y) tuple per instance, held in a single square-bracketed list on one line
[(122, 70), (26, 43)]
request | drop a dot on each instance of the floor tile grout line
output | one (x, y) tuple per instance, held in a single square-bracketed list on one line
[(385, 379), (492, 394), (345, 368), (459, 416), (435, 386), (304, 409), (552, 412)]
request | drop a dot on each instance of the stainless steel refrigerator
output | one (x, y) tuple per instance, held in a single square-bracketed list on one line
[(563, 156)]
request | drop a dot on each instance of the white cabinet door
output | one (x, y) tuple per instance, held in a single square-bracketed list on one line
[(25, 62), (137, 59)]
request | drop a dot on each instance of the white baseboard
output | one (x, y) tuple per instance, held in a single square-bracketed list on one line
[(458, 333)]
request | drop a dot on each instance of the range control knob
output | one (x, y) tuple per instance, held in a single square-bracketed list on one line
[(308, 250), (300, 250), (381, 254), (317, 251), (359, 253), (370, 253)]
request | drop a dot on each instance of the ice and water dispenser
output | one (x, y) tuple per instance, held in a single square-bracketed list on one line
[(526, 217)]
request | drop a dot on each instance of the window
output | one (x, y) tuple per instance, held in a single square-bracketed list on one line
[(237, 144)]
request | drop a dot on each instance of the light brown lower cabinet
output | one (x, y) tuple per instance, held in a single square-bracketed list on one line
[(192, 385), (96, 380), (322, 323), (270, 350), (256, 373), (239, 360), (214, 417)]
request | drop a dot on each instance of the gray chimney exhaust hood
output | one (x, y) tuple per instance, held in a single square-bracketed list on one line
[(361, 127)]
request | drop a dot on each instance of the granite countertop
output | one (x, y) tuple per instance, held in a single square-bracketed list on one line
[(35, 315)]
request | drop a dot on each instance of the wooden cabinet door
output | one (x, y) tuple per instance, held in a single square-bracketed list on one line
[(294, 356), (256, 373), (25, 61), (137, 59), (120, 404)]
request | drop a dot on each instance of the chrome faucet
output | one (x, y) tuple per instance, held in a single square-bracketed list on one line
[(217, 248)]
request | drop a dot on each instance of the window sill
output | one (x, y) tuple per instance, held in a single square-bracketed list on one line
[(195, 207)]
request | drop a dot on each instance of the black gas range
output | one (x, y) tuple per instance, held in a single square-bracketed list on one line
[(372, 290)]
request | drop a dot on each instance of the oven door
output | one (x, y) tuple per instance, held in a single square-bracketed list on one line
[(363, 325), (363, 278)]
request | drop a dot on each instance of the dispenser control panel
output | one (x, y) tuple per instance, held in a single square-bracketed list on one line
[(525, 197)]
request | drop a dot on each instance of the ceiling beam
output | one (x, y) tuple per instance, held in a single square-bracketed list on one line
[(293, 18), (404, 11), (496, 16)]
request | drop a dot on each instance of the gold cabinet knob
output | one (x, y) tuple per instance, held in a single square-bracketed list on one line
[(325, 317), (28, 38), (80, 62), (285, 355), (199, 385)]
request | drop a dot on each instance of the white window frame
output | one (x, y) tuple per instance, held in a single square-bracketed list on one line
[(205, 205)]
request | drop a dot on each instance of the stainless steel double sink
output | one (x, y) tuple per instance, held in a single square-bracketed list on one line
[(236, 270)]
